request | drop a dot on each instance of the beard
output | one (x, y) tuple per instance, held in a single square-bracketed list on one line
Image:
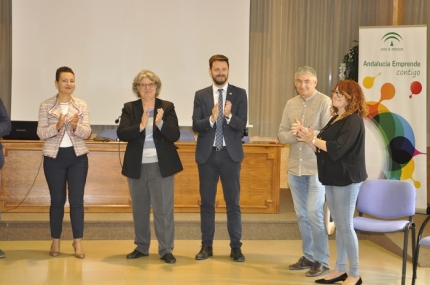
[(220, 79)]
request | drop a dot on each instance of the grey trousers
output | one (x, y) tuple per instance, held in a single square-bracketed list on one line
[(152, 189)]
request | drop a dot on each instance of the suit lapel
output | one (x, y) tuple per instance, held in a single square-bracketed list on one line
[(230, 94), (138, 108), (210, 98), (158, 104)]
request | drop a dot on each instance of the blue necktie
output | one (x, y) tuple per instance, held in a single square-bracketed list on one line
[(218, 131)]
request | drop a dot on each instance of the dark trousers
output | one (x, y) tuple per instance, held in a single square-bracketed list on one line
[(220, 165), (66, 171)]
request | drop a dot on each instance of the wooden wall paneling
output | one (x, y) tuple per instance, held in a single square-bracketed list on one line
[(23, 182)]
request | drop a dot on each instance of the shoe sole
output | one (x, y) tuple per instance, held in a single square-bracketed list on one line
[(136, 257), (303, 268), (318, 274), (237, 259), (203, 258)]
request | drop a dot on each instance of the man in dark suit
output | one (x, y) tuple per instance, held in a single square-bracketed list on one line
[(219, 118), (5, 126)]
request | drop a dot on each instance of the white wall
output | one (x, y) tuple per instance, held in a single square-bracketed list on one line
[(107, 42)]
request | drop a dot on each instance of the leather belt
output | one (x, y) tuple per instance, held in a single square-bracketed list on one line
[(219, 148)]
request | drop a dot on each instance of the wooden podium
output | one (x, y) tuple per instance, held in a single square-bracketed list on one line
[(24, 188)]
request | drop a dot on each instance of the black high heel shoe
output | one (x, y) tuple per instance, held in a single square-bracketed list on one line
[(334, 280)]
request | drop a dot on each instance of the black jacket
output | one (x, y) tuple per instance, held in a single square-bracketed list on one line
[(5, 126), (129, 131), (344, 162)]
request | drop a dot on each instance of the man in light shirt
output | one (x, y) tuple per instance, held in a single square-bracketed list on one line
[(309, 108)]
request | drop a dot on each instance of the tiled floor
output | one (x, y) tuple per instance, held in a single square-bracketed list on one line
[(28, 262)]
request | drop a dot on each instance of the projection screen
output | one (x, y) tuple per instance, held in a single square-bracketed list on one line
[(107, 42)]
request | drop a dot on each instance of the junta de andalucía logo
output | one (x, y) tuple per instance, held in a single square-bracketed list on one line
[(391, 37)]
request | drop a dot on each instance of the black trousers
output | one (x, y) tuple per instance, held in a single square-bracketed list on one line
[(67, 171), (220, 165)]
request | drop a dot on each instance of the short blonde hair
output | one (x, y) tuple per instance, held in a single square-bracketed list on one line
[(146, 74)]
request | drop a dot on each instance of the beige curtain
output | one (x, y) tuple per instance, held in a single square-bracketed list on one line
[(417, 12), (284, 34)]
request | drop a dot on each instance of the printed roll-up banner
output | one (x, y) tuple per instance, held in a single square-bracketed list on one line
[(392, 71)]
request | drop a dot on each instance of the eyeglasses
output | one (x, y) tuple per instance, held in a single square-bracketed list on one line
[(338, 94), (149, 85)]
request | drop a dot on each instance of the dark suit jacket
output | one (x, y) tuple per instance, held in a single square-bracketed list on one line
[(233, 132), (129, 131), (5, 126)]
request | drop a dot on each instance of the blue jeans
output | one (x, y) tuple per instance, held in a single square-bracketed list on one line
[(308, 197), (341, 202)]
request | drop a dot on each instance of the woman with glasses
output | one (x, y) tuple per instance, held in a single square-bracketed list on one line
[(149, 125), (64, 124), (339, 148)]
